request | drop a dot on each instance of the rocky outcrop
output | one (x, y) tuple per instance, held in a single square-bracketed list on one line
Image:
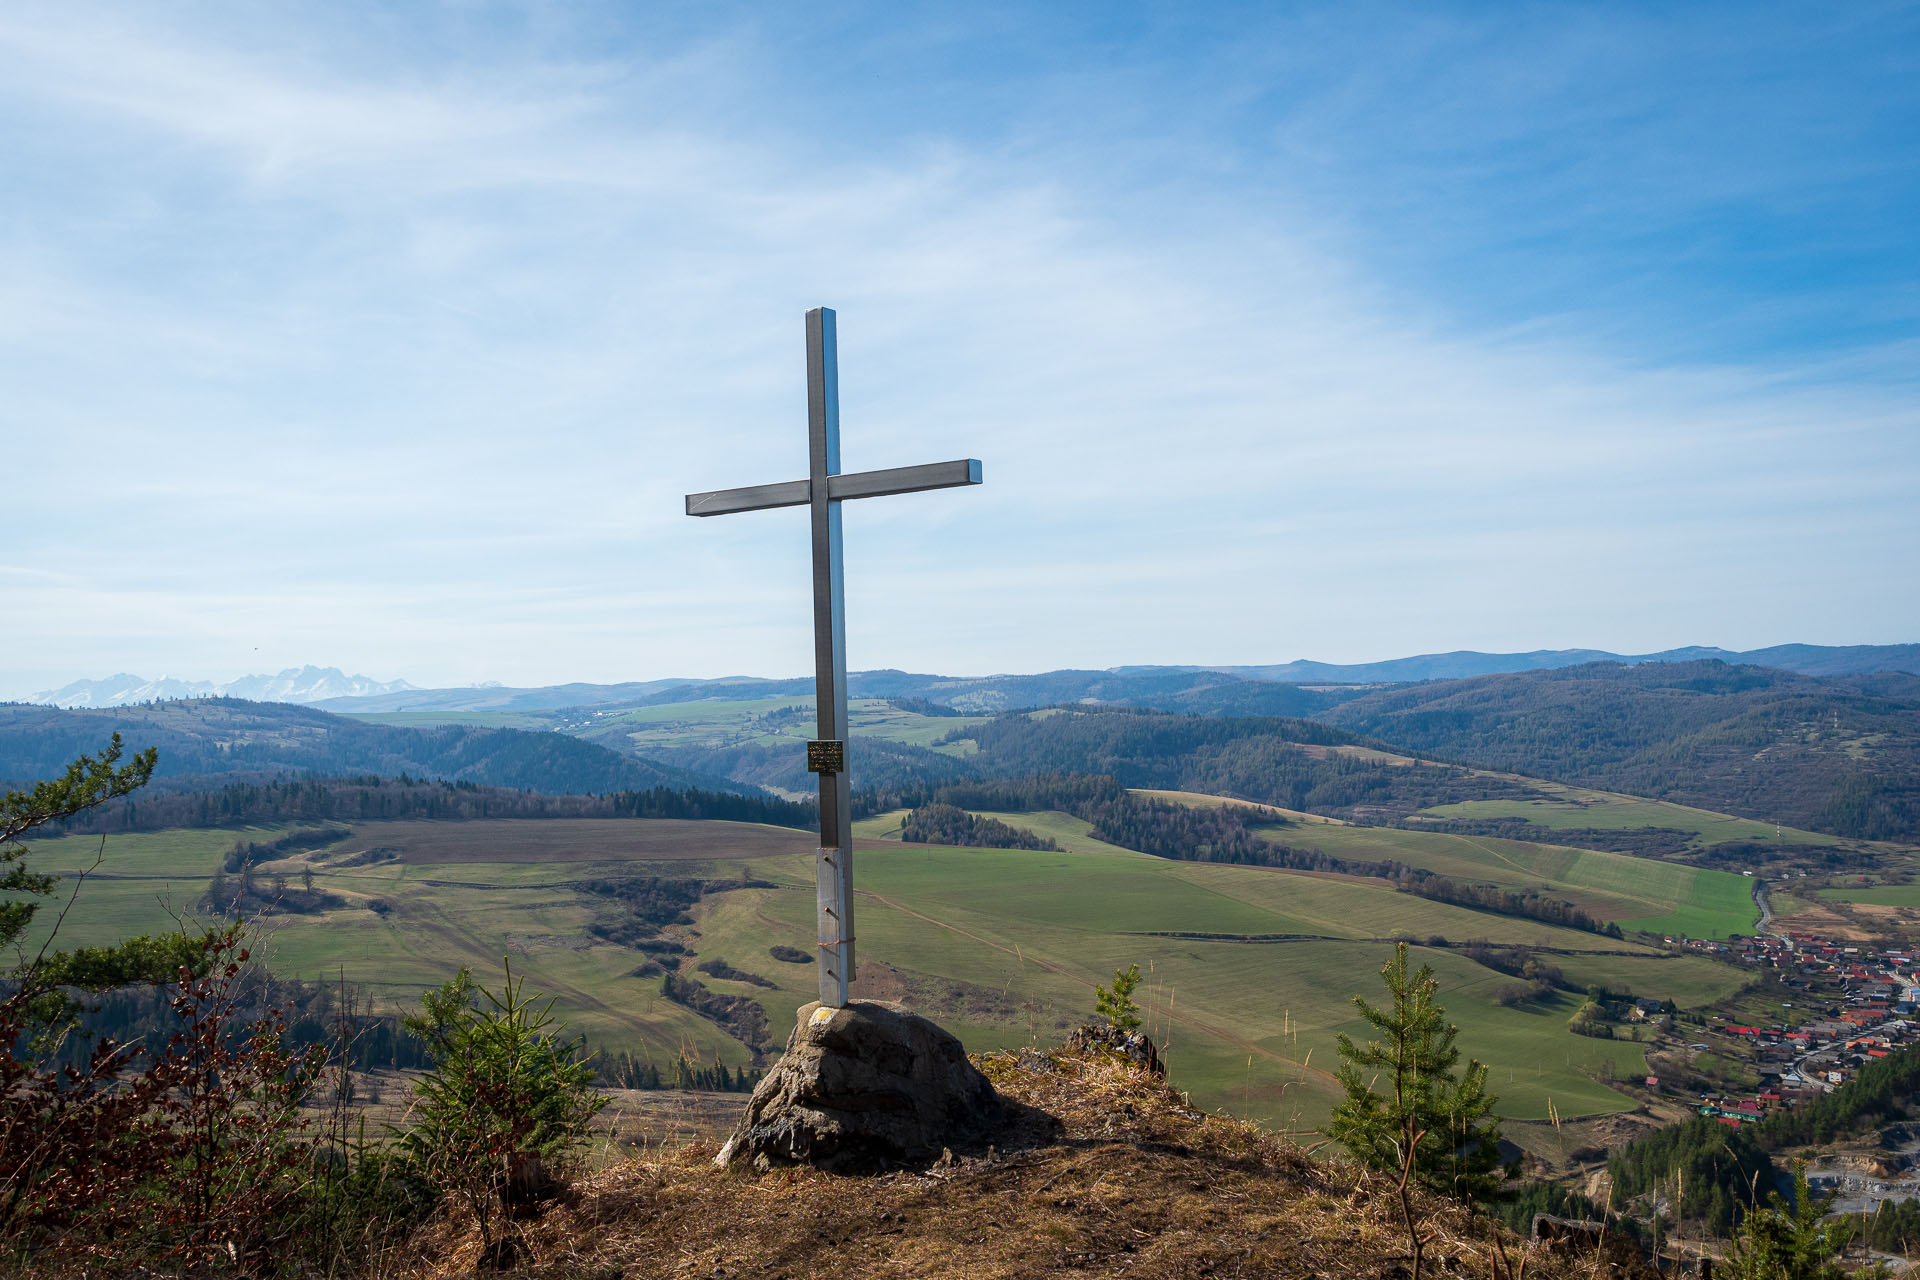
[(861, 1088), (1097, 1039)]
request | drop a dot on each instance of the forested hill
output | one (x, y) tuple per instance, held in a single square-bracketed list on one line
[(1838, 754), (204, 738), (1178, 689), (1269, 690), (1296, 764)]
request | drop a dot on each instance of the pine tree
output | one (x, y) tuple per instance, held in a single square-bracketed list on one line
[(1426, 1109), (505, 1094), (1790, 1241), (36, 997), (1117, 1006)]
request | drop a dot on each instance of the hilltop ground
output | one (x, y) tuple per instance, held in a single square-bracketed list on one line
[(1133, 1181)]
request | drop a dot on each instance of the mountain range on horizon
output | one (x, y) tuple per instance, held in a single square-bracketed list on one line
[(1836, 754), (307, 684), (1804, 659), (332, 688)]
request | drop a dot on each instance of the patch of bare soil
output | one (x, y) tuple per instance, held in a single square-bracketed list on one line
[(636, 1121), (1886, 921), (1130, 1181), (1573, 1144), (1826, 919)]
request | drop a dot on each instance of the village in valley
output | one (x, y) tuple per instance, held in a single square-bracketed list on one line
[(1857, 1004), (1842, 1006)]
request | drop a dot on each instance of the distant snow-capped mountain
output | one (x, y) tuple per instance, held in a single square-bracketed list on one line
[(309, 684), (295, 684)]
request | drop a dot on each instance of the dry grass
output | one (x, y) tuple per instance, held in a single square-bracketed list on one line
[(634, 1121), (577, 840), (1130, 1182)]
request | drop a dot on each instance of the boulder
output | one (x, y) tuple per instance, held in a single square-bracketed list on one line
[(861, 1088), (1572, 1233)]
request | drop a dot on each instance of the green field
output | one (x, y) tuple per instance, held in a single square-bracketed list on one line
[(709, 722), (718, 722), (1567, 807), (140, 881), (1636, 893), (1002, 946), (1884, 895), (1007, 945), (1639, 893), (1074, 835)]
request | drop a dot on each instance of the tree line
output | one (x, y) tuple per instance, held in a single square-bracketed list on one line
[(246, 853), (1884, 1090), (1528, 904), (206, 739), (1710, 1172), (365, 798), (1738, 739), (1715, 1171), (1261, 759), (739, 1016), (1227, 833), (1894, 1227), (312, 1014), (947, 824), (624, 1071), (1643, 842)]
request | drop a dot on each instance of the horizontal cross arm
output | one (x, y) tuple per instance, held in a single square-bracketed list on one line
[(928, 475), (755, 497), (861, 484)]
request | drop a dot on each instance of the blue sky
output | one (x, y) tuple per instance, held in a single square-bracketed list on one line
[(389, 337)]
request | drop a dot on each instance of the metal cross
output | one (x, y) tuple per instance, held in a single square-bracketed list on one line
[(824, 490)]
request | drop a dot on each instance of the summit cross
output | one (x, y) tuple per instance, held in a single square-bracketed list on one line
[(824, 489)]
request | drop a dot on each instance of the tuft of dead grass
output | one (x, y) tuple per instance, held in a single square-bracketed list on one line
[(1103, 1171)]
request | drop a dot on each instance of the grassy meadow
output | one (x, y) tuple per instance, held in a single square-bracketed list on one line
[(1883, 895), (1566, 807), (789, 717), (1002, 946), (1636, 893)]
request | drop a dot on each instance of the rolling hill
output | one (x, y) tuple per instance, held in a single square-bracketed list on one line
[(1192, 689), (1272, 689), (1295, 764), (204, 739), (1835, 754), (1808, 659), (1250, 969), (901, 753)]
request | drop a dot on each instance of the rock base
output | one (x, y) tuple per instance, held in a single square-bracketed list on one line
[(1098, 1038), (861, 1088)]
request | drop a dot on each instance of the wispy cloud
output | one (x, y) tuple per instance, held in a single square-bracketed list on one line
[(401, 363)]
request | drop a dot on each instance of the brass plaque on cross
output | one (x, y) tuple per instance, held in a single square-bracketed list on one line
[(825, 755)]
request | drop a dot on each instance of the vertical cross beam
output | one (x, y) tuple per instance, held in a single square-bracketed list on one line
[(822, 492), (834, 862)]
